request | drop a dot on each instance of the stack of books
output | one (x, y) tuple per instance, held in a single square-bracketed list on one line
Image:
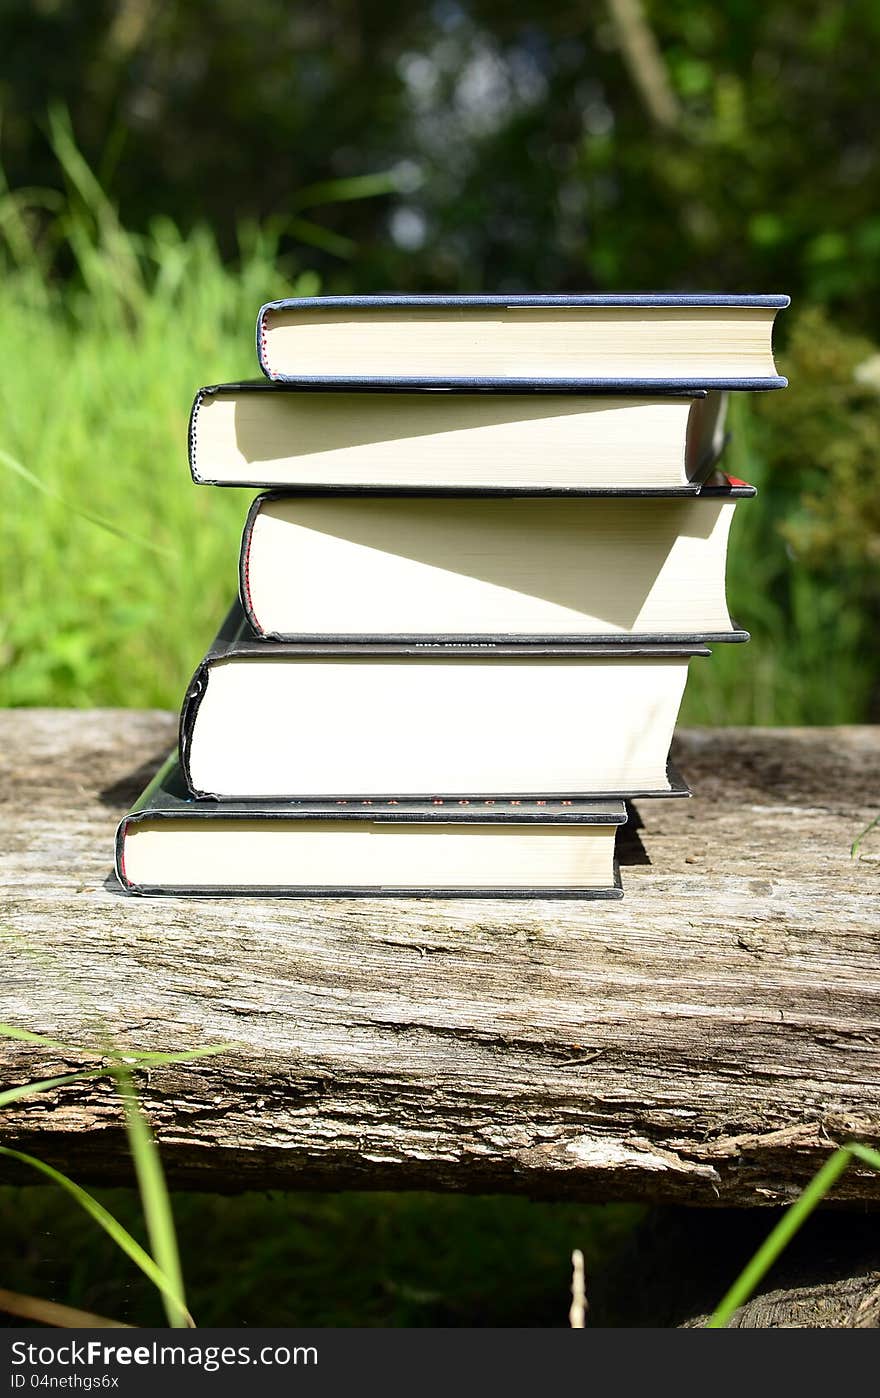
[(491, 541)]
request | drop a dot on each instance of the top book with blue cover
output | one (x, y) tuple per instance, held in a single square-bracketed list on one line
[(655, 340)]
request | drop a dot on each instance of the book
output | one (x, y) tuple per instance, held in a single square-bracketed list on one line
[(260, 434), (651, 339), (317, 720), (170, 843), (352, 568)]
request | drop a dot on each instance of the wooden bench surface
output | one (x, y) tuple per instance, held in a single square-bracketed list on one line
[(705, 1040)]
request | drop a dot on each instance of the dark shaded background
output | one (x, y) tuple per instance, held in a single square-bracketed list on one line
[(528, 149)]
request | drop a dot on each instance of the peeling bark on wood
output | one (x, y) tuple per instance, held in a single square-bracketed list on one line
[(707, 1040)]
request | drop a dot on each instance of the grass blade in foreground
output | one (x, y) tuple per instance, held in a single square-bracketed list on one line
[(113, 1227), (857, 843), (154, 1196), (137, 1056), (31, 1089), (11, 1031), (794, 1217), (165, 1272), (53, 1313), (14, 465)]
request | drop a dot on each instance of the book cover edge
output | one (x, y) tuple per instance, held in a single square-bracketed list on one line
[(494, 384), (746, 300), (604, 893)]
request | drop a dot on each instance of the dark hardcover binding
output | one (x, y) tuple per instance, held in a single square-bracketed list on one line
[(167, 798), (609, 388), (523, 385), (734, 490), (237, 638)]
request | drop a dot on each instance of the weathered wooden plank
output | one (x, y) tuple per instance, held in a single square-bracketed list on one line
[(705, 1040)]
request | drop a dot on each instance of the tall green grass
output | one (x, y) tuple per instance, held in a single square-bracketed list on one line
[(116, 569), (100, 369)]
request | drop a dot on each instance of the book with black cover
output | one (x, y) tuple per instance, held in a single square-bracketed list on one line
[(286, 720), (527, 342), (349, 569), (170, 843), (422, 441)]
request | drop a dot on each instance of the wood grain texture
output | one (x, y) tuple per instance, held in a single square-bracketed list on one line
[(704, 1041)]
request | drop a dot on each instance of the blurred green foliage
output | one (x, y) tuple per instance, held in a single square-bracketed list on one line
[(170, 166), (823, 440), (523, 152)]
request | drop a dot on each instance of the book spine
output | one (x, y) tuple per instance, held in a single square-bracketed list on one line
[(192, 437), (262, 337), (119, 857), (244, 558), (191, 700)]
